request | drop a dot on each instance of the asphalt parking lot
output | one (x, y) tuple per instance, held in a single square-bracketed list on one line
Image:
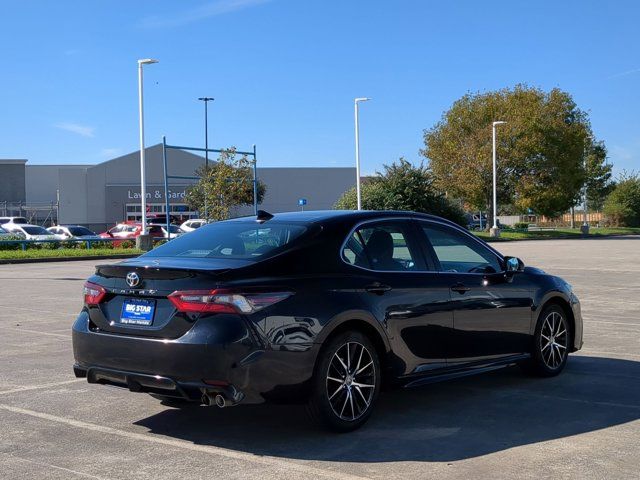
[(582, 424)]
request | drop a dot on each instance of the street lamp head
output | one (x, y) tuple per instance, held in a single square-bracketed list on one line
[(499, 122), (362, 99), (206, 99), (146, 61)]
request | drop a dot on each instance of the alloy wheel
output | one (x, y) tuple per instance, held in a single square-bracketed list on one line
[(553, 340), (350, 381)]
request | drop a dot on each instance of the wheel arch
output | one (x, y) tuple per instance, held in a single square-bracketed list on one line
[(361, 322), (557, 298)]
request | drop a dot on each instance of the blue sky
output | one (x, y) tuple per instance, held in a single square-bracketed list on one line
[(284, 73)]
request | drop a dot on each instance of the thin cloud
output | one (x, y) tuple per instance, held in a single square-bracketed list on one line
[(202, 12), (110, 152), (624, 74), (78, 129)]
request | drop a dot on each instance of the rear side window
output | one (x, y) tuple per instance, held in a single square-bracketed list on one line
[(382, 247), (237, 240)]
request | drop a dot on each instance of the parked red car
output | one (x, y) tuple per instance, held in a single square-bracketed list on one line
[(130, 230)]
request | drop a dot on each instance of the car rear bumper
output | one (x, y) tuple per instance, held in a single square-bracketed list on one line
[(210, 357)]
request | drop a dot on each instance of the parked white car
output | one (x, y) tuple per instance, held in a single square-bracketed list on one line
[(174, 231), (29, 232), (5, 235), (64, 232), (12, 220), (191, 225)]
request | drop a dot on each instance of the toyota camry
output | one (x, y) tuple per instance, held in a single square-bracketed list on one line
[(321, 308)]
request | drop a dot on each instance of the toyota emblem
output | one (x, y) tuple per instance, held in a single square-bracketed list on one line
[(133, 280)]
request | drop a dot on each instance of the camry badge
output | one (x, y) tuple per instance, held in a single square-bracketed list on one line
[(133, 279)]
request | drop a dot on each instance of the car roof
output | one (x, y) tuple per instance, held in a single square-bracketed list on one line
[(27, 225), (319, 216)]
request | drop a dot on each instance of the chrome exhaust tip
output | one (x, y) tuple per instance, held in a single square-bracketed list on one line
[(220, 401), (207, 400)]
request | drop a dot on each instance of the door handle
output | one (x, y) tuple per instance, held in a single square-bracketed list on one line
[(460, 288), (377, 288)]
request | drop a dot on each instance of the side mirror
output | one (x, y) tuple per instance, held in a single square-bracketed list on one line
[(513, 265)]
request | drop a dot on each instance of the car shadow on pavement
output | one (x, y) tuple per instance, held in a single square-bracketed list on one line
[(441, 422)]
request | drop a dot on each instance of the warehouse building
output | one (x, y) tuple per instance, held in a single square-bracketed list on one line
[(104, 194)]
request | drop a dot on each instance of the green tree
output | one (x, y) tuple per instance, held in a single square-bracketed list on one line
[(402, 186), (540, 150), (599, 182), (622, 206), (225, 184)]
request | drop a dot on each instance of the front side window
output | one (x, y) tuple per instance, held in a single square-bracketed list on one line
[(35, 230), (456, 252), (382, 247)]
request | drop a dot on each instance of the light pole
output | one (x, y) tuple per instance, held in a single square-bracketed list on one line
[(585, 224), (495, 231), (143, 240), (358, 194), (206, 101)]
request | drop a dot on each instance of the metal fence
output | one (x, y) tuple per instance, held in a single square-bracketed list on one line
[(36, 213)]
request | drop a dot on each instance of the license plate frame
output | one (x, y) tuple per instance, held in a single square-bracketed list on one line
[(137, 312)]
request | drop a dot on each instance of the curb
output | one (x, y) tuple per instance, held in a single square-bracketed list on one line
[(564, 237), (9, 261)]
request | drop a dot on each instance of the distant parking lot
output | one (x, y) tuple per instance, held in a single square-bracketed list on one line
[(583, 424)]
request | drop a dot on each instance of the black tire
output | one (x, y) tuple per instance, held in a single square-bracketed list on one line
[(551, 343), (339, 399)]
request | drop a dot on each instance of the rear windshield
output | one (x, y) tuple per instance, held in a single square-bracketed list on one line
[(36, 231), (238, 240), (13, 220), (80, 231)]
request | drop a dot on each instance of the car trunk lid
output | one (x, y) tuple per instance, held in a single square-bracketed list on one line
[(136, 301)]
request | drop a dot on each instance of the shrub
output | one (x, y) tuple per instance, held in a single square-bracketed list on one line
[(521, 225), (403, 186), (622, 206), (127, 244), (10, 246)]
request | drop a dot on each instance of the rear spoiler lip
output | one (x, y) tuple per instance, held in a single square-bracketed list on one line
[(156, 272)]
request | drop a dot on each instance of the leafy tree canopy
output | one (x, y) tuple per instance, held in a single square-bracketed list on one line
[(599, 176), (622, 206), (402, 186), (541, 149), (225, 184)]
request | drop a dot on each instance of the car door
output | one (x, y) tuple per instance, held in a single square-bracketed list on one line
[(491, 310), (410, 302)]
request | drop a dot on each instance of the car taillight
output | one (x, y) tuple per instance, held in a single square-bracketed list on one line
[(224, 301), (93, 294)]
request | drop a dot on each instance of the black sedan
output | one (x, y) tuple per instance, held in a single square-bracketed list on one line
[(319, 307)]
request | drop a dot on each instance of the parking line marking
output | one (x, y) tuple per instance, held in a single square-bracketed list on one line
[(37, 310), (614, 323), (44, 385), (223, 452), (51, 465), (26, 330)]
